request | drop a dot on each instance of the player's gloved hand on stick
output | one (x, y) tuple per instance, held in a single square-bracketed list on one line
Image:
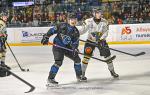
[(3, 70), (45, 40), (3, 38), (102, 43), (75, 52)]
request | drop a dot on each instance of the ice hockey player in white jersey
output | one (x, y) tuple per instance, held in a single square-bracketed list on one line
[(97, 28), (3, 38)]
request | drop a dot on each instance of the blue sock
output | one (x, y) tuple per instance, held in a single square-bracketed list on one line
[(53, 72), (78, 70)]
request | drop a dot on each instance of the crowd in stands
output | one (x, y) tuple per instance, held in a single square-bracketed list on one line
[(50, 12)]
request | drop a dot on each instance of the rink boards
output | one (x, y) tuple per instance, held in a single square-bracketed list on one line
[(118, 34)]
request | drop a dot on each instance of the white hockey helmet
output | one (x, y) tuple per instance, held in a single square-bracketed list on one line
[(4, 16), (96, 10)]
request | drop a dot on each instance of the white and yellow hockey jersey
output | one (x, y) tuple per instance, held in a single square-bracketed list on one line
[(3, 31), (91, 26)]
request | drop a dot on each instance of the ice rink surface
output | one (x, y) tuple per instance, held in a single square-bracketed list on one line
[(134, 73)]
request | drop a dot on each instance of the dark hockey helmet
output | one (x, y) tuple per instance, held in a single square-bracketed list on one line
[(72, 16), (72, 19)]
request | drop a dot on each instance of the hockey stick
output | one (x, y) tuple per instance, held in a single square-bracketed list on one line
[(16, 59), (110, 59), (27, 83), (13, 53), (135, 55)]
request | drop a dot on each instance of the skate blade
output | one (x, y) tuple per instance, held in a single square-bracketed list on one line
[(82, 80), (79, 81), (51, 85), (115, 78)]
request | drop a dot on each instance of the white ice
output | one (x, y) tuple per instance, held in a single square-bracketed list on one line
[(134, 73)]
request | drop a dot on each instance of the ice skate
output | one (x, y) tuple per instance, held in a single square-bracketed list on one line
[(113, 74), (81, 79), (7, 67), (51, 83)]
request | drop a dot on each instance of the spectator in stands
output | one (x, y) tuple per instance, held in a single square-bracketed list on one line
[(120, 21), (35, 22), (111, 20), (50, 9), (15, 20), (79, 15)]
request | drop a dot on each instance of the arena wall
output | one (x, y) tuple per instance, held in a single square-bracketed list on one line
[(118, 34)]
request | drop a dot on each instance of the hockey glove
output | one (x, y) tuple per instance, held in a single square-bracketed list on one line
[(75, 52), (3, 70), (45, 40), (104, 48), (2, 46), (102, 43), (3, 38)]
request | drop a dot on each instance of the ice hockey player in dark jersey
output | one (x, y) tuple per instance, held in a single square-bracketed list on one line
[(68, 37)]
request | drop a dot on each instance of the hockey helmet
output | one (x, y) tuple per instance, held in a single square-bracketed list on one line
[(3, 14), (96, 10), (72, 16)]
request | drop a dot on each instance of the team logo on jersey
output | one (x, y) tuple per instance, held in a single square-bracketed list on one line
[(66, 39), (88, 50)]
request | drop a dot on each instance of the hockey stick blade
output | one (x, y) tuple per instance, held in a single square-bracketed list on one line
[(31, 89), (111, 58), (27, 83), (30, 85), (23, 70), (141, 53), (135, 55)]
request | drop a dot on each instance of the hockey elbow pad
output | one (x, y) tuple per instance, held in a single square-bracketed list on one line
[(45, 40)]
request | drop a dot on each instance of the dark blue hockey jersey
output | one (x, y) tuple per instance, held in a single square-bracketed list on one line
[(67, 36)]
